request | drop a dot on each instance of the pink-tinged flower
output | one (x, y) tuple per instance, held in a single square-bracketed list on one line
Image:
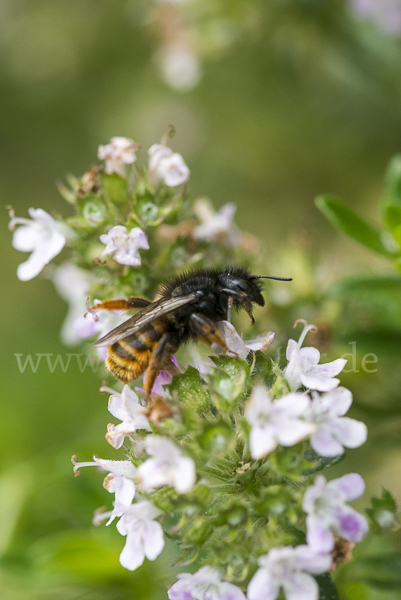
[(334, 431), (144, 534), (125, 244), (42, 236), (386, 13), (119, 481), (72, 284), (98, 323), (303, 366), (166, 165), (126, 407), (118, 153), (216, 226), (329, 514), (277, 422), (239, 347), (168, 466), (205, 584), (288, 569)]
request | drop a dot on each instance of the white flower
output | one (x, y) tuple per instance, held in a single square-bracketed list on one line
[(119, 152), (216, 226), (166, 165), (43, 236), (72, 284), (179, 66), (288, 568), (303, 366), (277, 422), (205, 584), (168, 466), (239, 347), (99, 323), (119, 481), (125, 244), (334, 431), (144, 534), (126, 407), (329, 514)]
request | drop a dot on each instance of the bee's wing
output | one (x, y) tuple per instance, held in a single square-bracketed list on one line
[(143, 318)]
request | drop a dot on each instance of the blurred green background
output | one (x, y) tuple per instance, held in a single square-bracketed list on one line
[(274, 103)]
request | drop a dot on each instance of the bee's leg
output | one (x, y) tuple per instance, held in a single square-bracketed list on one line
[(122, 304), (157, 360), (206, 330), (242, 298)]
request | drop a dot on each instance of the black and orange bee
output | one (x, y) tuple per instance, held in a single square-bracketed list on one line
[(188, 308)]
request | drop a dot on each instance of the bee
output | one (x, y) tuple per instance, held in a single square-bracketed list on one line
[(188, 308)]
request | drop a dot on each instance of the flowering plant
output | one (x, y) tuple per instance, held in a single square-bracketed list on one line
[(223, 460)]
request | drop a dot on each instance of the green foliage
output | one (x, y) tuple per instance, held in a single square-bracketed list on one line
[(383, 512), (349, 223)]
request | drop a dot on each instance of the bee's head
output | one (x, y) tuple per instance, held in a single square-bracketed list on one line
[(246, 288)]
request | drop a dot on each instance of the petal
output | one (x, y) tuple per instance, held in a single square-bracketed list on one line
[(293, 404), (293, 431), (321, 383), (119, 468), (310, 356), (325, 444), (261, 441), (185, 475), (261, 342), (229, 591), (352, 486), (153, 539), (151, 476), (26, 238), (124, 490), (234, 341), (292, 349), (349, 432), (133, 553), (351, 525), (338, 401), (329, 369), (308, 560), (117, 407), (318, 535), (263, 586), (300, 586)]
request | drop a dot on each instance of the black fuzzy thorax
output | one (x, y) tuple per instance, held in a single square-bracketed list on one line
[(212, 300)]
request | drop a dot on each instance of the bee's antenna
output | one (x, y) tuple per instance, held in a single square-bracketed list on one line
[(271, 277)]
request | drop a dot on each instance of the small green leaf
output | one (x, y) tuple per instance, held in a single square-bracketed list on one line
[(189, 389), (318, 463), (327, 587), (392, 216), (114, 188), (344, 219), (383, 512)]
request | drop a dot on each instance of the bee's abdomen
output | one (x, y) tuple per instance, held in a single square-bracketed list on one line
[(128, 358)]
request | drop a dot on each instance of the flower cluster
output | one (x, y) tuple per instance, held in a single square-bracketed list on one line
[(223, 460)]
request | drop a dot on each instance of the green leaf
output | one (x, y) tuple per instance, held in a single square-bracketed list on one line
[(383, 512), (189, 389), (319, 462), (344, 219), (393, 177), (392, 217), (327, 587), (383, 572)]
